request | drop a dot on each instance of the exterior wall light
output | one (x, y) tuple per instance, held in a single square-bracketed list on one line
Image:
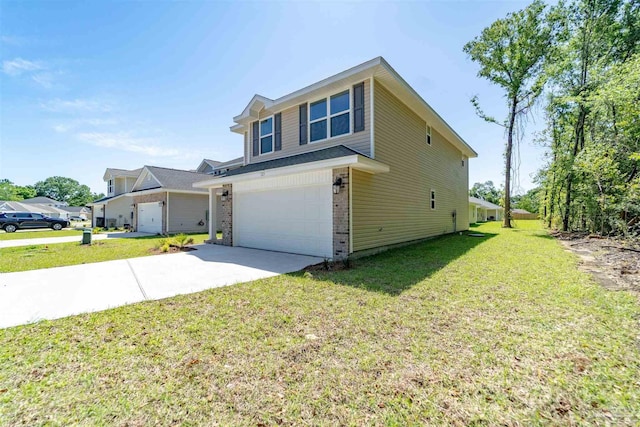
[(224, 195), (336, 185)]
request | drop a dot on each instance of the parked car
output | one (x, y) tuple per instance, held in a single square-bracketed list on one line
[(12, 221)]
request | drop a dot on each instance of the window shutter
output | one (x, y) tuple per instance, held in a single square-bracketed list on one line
[(303, 124), (277, 125), (358, 107), (255, 138)]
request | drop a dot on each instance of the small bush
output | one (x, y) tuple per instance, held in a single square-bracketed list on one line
[(182, 240), (165, 247), (96, 230)]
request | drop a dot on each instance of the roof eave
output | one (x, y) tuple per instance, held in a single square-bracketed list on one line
[(355, 161)]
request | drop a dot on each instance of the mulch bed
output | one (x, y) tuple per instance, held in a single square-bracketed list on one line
[(613, 261), (172, 250)]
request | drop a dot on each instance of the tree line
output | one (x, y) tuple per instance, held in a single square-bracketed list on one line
[(581, 60), (58, 188)]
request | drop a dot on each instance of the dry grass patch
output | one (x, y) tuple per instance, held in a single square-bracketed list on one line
[(457, 331)]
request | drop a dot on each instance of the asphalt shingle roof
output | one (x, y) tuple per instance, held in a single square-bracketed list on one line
[(313, 156), (177, 179), (124, 172)]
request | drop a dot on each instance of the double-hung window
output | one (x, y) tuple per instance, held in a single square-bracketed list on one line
[(428, 135), (330, 117), (266, 135), (110, 186)]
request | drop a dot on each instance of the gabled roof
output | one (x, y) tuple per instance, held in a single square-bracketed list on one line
[(207, 162), (232, 162), (175, 179), (377, 68), (6, 206), (121, 173), (483, 203), (42, 200)]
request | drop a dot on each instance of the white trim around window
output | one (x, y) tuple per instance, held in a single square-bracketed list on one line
[(272, 134), (328, 116), (432, 199), (428, 135), (111, 186)]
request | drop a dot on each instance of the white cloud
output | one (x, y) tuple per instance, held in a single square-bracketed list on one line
[(43, 79), (126, 142), (18, 66), (90, 105), (83, 123)]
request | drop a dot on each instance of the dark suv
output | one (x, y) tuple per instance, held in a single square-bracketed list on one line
[(12, 221)]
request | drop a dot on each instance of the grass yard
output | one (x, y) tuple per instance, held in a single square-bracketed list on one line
[(38, 234), (34, 257), (500, 330)]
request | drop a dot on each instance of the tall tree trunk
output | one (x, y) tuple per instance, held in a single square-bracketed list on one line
[(507, 179), (577, 144)]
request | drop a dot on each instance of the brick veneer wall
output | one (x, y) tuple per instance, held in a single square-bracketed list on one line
[(341, 215), (148, 198), (227, 216)]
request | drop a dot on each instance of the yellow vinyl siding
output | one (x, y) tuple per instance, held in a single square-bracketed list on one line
[(359, 141), (394, 207)]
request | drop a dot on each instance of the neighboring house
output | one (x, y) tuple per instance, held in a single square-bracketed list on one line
[(115, 209), (354, 162), (41, 200), (155, 200), (45, 209), (480, 210), (77, 211), (213, 167)]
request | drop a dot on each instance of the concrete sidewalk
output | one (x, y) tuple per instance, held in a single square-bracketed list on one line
[(53, 293), (66, 239)]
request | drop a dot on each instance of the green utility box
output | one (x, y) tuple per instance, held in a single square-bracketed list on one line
[(86, 236)]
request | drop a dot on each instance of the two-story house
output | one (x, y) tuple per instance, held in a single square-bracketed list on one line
[(154, 199), (354, 162)]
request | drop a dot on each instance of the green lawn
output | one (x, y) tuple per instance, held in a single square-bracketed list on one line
[(34, 257), (500, 330), (38, 234)]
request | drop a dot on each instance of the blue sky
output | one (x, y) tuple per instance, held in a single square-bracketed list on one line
[(91, 85)]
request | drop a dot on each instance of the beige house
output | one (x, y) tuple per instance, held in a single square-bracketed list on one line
[(354, 162), (153, 200), (480, 210)]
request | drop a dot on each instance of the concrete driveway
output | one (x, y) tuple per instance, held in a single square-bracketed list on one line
[(53, 293)]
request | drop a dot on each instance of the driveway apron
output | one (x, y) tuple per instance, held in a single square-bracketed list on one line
[(52, 293)]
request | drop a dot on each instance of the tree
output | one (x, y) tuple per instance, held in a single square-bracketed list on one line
[(11, 192), (511, 54), (486, 191), (64, 190), (530, 201), (8, 190)]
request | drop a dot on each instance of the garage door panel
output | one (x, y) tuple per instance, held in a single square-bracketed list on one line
[(150, 217), (293, 219)]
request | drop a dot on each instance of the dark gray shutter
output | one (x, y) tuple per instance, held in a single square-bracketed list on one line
[(277, 125), (303, 124), (255, 138), (358, 107)]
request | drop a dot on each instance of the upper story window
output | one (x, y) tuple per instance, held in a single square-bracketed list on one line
[(428, 134), (433, 199), (110, 186), (330, 117), (266, 135)]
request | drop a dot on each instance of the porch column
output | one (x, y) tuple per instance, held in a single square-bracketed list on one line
[(212, 215)]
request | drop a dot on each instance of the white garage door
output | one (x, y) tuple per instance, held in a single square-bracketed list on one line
[(289, 214), (150, 217)]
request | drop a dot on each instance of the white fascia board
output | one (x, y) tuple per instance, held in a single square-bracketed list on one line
[(293, 97), (140, 178), (165, 190), (355, 161)]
